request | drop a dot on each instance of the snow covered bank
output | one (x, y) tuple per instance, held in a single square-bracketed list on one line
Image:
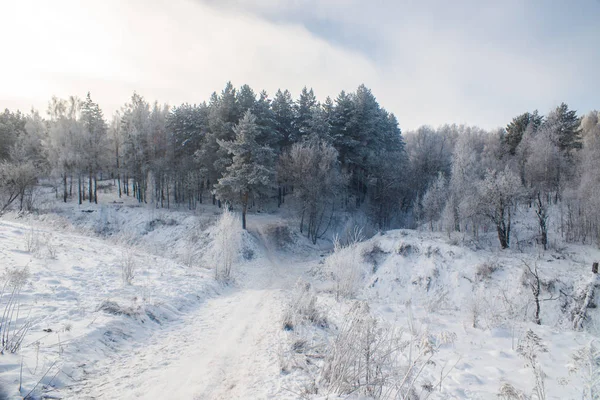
[(79, 306), (474, 307), (434, 317)]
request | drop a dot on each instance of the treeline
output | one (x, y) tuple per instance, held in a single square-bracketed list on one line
[(190, 154), (466, 179), (346, 154)]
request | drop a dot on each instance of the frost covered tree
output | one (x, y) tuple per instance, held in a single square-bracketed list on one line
[(116, 145), (17, 176), (283, 110), (376, 136), (12, 125), (160, 154), (226, 245), (32, 142), (583, 200), (245, 99), (565, 125), (22, 162), (265, 119), (303, 113), (434, 200), (135, 117), (365, 135), (429, 152), (517, 128), (388, 188), (542, 174), (312, 168), (498, 193), (251, 172), (192, 151), (466, 172), (343, 127), (224, 114), (62, 145), (320, 122), (95, 143)]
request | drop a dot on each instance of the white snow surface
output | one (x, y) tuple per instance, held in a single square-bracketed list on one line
[(178, 334), (182, 335)]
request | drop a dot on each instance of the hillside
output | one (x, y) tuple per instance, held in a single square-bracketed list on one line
[(457, 311)]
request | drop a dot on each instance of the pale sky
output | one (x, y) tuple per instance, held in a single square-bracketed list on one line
[(429, 62)]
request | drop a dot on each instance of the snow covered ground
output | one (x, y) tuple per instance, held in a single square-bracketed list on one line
[(80, 309), (176, 333), (443, 289)]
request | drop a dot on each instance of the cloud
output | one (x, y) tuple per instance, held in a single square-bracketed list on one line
[(426, 63), (173, 51)]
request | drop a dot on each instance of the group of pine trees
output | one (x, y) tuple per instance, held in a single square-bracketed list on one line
[(346, 155), (239, 147)]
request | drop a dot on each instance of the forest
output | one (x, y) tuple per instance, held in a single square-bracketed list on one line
[(347, 155)]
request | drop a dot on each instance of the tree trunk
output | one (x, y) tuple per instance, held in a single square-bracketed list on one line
[(162, 192), (501, 228), (581, 314), (279, 197), (119, 183), (537, 310), (542, 219), (118, 166), (90, 188), (79, 188), (244, 209), (65, 192), (95, 189)]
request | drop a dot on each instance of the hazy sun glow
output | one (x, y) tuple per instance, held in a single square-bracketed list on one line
[(182, 50)]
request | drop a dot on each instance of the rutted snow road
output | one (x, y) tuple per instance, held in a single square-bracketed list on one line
[(228, 349)]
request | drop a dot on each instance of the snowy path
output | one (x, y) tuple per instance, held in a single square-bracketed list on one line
[(226, 350)]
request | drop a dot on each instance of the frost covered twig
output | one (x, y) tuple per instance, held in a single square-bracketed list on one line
[(11, 333)]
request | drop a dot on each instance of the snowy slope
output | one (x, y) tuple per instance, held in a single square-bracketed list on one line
[(421, 284), (228, 349), (81, 312), (176, 333)]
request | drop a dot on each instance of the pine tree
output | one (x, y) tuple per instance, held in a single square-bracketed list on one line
[(319, 125), (518, 126), (224, 112), (283, 108), (246, 98), (565, 124), (265, 119), (135, 122), (251, 172), (95, 143), (387, 173), (304, 109), (343, 127)]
